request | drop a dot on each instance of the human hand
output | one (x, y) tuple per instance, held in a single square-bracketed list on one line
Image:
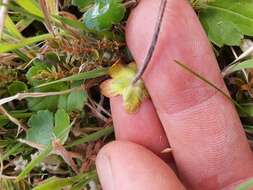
[(208, 144)]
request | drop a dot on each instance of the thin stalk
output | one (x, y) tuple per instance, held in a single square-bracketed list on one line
[(153, 42)]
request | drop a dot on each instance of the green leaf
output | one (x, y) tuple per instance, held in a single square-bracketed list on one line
[(62, 102), (104, 14), (76, 101), (35, 71), (248, 64), (4, 120), (31, 6), (246, 111), (44, 127), (17, 87), (11, 28), (6, 46), (62, 125), (48, 127), (41, 128), (35, 162), (226, 21), (92, 137), (82, 3), (81, 76), (35, 77), (45, 103), (73, 23), (54, 183)]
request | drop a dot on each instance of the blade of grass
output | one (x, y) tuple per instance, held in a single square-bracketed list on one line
[(92, 137), (46, 13), (210, 84), (16, 8), (11, 151), (21, 55), (31, 7), (24, 23), (81, 76), (35, 162), (246, 186), (12, 29), (56, 183), (6, 47), (248, 108), (17, 115), (52, 6), (73, 23), (248, 64)]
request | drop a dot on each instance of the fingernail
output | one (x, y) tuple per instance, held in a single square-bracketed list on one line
[(104, 169)]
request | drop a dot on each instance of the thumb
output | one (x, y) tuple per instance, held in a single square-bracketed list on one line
[(124, 165)]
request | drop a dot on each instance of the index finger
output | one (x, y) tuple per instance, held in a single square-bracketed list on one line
[(202, 126)]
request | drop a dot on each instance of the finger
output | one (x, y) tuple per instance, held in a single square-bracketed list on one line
[(203, 127), (125, 166), (143, 127)]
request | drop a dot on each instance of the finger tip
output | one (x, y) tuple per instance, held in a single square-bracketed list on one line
[(125, 165)]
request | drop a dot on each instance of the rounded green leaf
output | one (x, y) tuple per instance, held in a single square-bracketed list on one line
[(104, 14), (62, 125), (17, 87), (41, 128)]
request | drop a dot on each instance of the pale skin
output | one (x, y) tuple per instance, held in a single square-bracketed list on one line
[(210, 150)]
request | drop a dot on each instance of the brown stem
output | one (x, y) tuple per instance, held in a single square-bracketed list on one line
[(153, 42)]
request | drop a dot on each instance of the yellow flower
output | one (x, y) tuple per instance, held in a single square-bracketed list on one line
[(121, 84)]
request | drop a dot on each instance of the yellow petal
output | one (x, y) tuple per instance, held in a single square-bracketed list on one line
[(116, 68), (106, 90)]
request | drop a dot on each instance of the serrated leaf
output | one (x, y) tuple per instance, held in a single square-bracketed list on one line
[(41, 128), (104, 14), (44, 127), (121, 84), (226, 21)]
